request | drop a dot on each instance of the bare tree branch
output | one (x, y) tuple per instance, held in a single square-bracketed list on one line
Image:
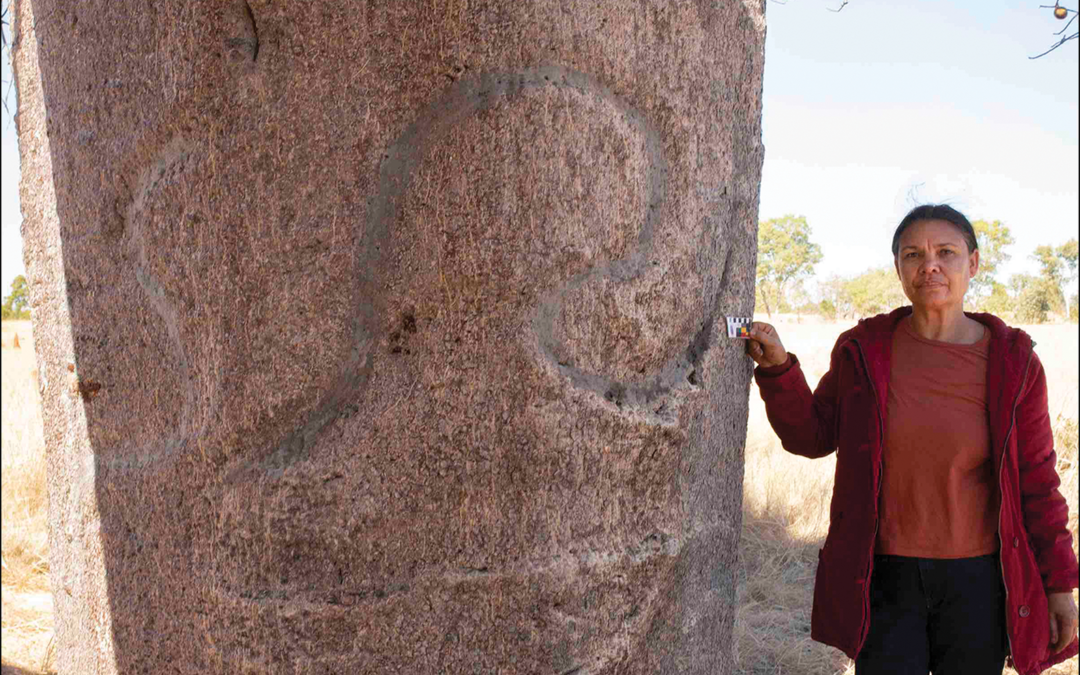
[(1067, 25), (5, 51), (1060, 13), (1055, 46)]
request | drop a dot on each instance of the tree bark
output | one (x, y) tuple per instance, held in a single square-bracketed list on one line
[(385, 337)]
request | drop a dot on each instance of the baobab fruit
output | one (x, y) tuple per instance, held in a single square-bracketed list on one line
[(1060, 12)]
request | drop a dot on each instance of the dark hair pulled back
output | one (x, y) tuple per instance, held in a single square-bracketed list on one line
[(936, 212)]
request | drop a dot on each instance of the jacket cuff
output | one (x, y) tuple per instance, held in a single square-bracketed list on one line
[(777, 371)]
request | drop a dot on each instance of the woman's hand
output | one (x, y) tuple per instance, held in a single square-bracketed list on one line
[(764, 346), (1062, 620)]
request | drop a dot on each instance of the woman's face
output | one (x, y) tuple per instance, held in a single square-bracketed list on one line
[(934, 264)]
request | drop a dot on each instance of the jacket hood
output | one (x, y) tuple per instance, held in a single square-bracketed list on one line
[(879, 327), (883, 325), (1009, 348), (1002, 332)]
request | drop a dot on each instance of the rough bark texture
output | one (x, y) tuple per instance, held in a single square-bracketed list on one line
[(394, 330)]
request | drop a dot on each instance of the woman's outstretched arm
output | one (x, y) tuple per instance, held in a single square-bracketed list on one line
[(804, 421)]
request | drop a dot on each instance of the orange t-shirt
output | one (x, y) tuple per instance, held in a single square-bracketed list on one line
[(939, 493)]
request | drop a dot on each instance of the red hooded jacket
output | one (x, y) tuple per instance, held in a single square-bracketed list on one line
[(846, 413)]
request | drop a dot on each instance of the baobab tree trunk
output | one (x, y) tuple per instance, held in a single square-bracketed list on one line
[(382, 337)]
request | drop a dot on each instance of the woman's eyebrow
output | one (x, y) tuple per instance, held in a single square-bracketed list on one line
[(935, 245)]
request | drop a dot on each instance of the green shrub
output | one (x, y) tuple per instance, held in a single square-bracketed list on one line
[(999, 301), (1033, 304), (827, 309)]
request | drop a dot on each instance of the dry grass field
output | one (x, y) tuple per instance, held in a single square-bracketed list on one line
[(785, 511), (27, 603)]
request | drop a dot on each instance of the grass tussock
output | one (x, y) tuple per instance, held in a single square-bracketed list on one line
[(25, 502), (26, 623), (785, 519)]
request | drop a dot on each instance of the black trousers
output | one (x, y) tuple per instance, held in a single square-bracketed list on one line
[(941, 616)]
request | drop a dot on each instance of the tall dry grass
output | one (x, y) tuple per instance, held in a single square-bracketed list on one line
[(26, 623), (786, 510)]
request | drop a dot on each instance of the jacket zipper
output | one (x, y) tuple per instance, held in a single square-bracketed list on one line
[(1001, 502), (877, 495)]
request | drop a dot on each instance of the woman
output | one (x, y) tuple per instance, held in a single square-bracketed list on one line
[(948, 548)]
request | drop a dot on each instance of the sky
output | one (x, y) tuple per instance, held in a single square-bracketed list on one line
[(884, 105), (873, 109)]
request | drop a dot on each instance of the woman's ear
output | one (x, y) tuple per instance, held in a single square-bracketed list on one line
[(973, 264)]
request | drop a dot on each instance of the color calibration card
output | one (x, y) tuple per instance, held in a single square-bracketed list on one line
[(738, 327)]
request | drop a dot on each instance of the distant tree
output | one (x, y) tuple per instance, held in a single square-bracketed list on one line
[(836, 299), (1048, 260), (999, 301), (994, 237), (1020, 282), (827, 309), (1033, 297), (17, 305), (785, 254), (1067, 253), (799, 299), (1058, 268), (875, 291)]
